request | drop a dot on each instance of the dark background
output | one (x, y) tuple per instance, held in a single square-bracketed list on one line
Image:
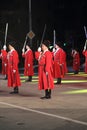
[(66, 17)]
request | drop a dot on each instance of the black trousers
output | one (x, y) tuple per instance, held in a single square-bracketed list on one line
[(16, 89), (59, 80), (30, 78), (48, 93)]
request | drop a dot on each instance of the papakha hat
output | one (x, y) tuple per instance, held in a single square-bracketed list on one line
[(46, 43)]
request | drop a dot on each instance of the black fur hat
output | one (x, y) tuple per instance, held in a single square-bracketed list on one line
[(58, 43), (12, 43), (46, 43)]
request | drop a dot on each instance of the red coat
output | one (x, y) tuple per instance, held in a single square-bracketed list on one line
[(37, 54), (28, 67), (59, 61), (13, 77), (64, 62), (76, 61), (85, 54), (3, 57), (45, 65)]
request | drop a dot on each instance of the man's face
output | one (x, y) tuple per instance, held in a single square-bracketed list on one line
[(43, 47), (56, 46), (27, 47), (10, 47)]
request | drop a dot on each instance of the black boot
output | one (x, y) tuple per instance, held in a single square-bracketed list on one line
[(76, 72), (15, 90), (29, 79), (58, 81), (6, 77), (48, 94)]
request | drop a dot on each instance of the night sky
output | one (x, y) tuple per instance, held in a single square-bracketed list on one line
[(66, 17)]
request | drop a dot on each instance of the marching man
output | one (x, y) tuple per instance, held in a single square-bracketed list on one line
[(13, 73), (45, 70), (76, 61), (28, 66), (3, 57), (85, 54), (59, 62)]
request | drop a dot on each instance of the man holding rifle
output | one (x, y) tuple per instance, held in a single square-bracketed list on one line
[(3, 57), (59, 62), (13, 73), (45, 63), (84, 52), (28, 65)]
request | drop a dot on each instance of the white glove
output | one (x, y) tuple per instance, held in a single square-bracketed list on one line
[(46, 73), (23, 50), (28, 65), (73, 51), (84, 48), (14, 71), (4, 47), (53, 49), (86, 41), (5, 65), (39, 49), (60, 64)]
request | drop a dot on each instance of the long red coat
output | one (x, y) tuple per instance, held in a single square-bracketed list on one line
[(59, 62), (3, 57), (76, 61), (64, 62), (28, 70), (45, 65), (85, 54), (37, 54), (13, 60)]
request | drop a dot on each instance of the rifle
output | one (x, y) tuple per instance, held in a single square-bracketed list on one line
[(25, 42), (85, 32), (43, 34), (6, 30), (54, 38), (85, 36)]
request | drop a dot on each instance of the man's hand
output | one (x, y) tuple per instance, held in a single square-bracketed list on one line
[(46, 73), (53, 49), (5, 65), (39, 49), (28, 65), (14, 71), (23, 50)]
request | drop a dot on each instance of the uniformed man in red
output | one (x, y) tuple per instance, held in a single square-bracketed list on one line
[(84, 52), (3, 57), (13, 72), (65, 62), (58, 56), (38, 53), (76, 60), (45, 63), (28, 66)]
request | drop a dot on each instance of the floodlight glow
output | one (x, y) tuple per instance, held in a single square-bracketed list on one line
[(76, 91)]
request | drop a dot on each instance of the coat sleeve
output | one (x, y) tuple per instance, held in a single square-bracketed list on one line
[(23, 55), (37, 55), (48, 61), (30, 57), (15, 61)]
